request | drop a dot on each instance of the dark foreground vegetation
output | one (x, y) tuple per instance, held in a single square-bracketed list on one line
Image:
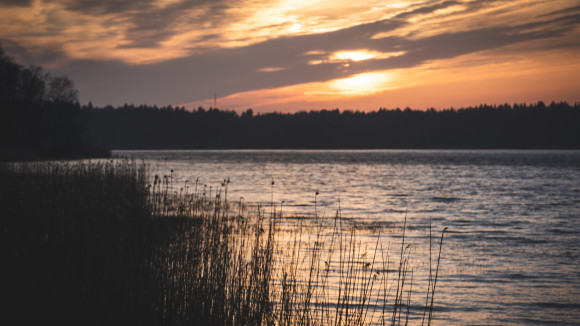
[(95, 244), (40, 116), (522, 126)]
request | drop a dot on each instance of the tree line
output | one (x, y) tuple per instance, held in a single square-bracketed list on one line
[(40, 117), (486, 126)]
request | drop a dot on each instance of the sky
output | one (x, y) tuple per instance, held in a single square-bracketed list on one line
[(288, 56)]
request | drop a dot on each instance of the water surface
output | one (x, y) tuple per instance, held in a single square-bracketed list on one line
[(512, 253)]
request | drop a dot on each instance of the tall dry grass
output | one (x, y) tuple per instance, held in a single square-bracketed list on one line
[(95, 243), (77, 242)]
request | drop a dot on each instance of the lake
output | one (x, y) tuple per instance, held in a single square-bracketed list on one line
[(511, 254)]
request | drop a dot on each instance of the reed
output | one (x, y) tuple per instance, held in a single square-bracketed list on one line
[(77, 242), (95, 243)]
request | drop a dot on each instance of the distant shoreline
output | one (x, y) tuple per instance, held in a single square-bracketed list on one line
[(518, 126), (13, 154), (346, 149)]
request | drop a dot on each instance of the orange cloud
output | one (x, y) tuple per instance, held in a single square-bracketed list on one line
[(315, 53), (488, 77)]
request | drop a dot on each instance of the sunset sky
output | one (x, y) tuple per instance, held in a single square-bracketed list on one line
[(302, 55)]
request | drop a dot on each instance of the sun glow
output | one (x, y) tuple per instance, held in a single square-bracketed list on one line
[(357, 55), (353, 56), (271, 69), (362, 84), (422, 86)]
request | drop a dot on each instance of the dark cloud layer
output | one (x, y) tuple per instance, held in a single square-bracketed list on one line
[(50, 54), (229, 71), (100, 7), (15, 3), (151, 24)]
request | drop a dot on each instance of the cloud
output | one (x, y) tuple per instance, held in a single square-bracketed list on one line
[(100, 7), (426, 9), (179, 51), (15, 3), (149, 31), (472, 79), (569, 10), (148, 23), (136, 32), (228, 71)]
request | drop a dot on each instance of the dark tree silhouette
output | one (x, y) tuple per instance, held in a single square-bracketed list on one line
[(503, 126), (39, 115), (19, 84), (61, 89)]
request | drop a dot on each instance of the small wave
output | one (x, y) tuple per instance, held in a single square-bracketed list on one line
[(519, 276), (445, 199), (563, 231), (534, 241), (490, 232), (558, 305), (297, 217), (559, 203), (566, 216)]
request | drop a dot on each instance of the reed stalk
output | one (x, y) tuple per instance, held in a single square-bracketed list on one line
[(95, 243)]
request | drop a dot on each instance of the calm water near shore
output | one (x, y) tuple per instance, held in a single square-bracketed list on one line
[(512, 251)]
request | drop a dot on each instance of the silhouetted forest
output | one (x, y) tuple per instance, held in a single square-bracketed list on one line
[(40, 116), (504, 126)]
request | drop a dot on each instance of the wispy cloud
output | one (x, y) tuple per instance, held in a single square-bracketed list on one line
[(149, 31), (177, 51)]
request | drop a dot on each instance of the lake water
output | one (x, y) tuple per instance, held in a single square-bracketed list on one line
[(512, 251)]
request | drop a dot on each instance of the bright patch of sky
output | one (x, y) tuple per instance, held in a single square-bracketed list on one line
[(184, 51)]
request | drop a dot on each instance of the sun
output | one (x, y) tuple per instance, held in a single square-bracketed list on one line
[(362, 84)]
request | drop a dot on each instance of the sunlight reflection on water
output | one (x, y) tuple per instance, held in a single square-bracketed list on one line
[(512, 254)]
